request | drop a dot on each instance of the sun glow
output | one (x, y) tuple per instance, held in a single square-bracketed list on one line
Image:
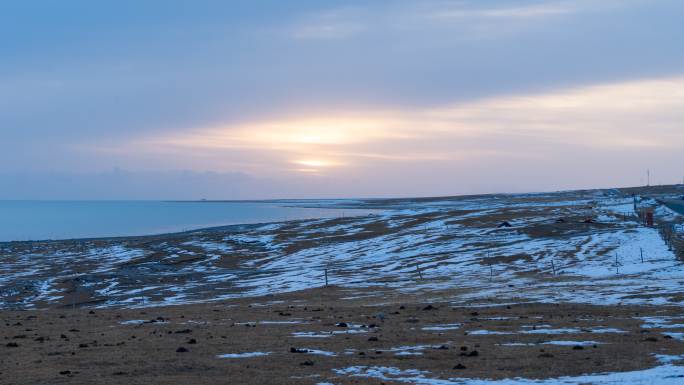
[(312, 163), (615, 117)]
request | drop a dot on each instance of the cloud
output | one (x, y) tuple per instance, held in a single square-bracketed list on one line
[(330, 25), (643, 115), (459, 11), (598, 135), (361, 93), (473, 18)]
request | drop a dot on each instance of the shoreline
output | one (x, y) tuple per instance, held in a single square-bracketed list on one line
[(354, 213)]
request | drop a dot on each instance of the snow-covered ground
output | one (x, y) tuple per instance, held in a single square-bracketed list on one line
[(456, 244), (665, 374)]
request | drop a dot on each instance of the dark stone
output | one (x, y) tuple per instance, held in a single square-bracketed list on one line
[(342, 325), (181, 350), (192, 341), (307, 363), (373, 339), (459, 367)]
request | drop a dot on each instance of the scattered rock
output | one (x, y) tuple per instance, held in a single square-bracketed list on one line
[(459, 367), (181, 350), (546, 355), (307, 363), (342, 325), (12, 345), (373, 339)]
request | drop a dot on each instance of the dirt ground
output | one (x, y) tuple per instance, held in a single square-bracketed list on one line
[(181, 344)]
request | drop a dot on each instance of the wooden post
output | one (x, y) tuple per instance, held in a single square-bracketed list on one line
[(553, 267), (617, 264), (491, 271), (326, 277), (641, 251), (420, 274)]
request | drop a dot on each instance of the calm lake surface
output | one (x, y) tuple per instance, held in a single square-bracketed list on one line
[(42, 220)]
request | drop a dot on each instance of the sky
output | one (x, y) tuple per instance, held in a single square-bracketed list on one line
[(171, 99)]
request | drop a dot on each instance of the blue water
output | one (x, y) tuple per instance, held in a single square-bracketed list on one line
[(41, 220)]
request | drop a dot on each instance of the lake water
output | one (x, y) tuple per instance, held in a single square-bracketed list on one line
[(41, 220)]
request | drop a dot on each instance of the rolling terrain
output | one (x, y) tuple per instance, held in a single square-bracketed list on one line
[(568, 285)]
